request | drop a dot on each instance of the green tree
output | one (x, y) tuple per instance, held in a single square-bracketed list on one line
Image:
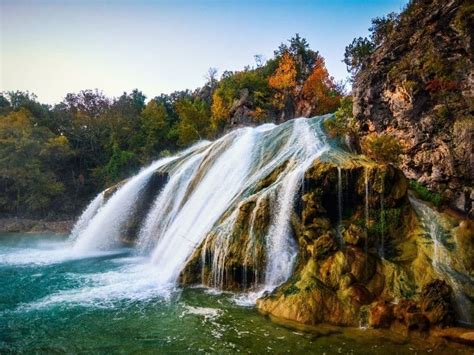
[(155, 129), (31, 156), (357, 53), (194, 120)]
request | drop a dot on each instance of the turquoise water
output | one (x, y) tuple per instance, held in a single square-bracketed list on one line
[(52, 301)]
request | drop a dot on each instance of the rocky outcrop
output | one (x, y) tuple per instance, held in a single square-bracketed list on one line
[(418, 85), (363, 255)]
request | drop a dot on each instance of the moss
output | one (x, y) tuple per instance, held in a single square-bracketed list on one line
[(426, 195), (389, 218), (291, 290)]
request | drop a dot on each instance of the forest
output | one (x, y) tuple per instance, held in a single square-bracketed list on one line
[(55, 158)]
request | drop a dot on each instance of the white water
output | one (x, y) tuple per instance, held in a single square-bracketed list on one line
[(167, 204), (339, 207), (103, 230), (441, 258), (206, 185), (86, 216), (210, 199), (366, 210)]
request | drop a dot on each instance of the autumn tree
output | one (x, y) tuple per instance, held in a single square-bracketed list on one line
[(304, 57), (284, 80), (320, 90)]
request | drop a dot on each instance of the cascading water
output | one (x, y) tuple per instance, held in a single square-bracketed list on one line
[(86, 216), (442, 260), (339, 207), (206, 185), (219, 185), (103, 230), (382, 225), (168, 203), (366, 209)]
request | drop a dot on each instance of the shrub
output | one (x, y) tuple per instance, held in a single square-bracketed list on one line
[(423, 193), (383, 148), (342, 122)]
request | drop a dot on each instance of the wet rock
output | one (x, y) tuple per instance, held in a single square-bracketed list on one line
[(435, 302), (324, 246), (381, 315), (358, 294), (410, 315), (355, 235)]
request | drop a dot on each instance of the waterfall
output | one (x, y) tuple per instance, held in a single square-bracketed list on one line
[(220, 184), (103, 230), (442, 260), (382, 224), (86, 216), (366, 211), (339, 207), (281, 250), (198, 205), (167, 204), (251, 250)]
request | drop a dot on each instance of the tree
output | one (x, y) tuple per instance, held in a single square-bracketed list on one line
[(219, 112), (31, 156), (382, 27), (303, 56), (320, 90), (211, 77), (284, 78), (154, 129), (357, 54), (194, 120)]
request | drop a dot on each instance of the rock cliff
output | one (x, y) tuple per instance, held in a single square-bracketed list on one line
[(419, 86)]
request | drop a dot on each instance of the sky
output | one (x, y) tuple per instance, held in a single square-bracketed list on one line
[(53, 47)]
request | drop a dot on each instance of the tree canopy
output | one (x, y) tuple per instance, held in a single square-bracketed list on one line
[(55, 158)]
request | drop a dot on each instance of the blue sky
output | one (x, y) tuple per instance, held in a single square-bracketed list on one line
[(53, 47)]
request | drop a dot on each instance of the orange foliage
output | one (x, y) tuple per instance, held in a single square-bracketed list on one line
[(320, 89), (284, 77)]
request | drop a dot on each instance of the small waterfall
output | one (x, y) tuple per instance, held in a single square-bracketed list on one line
[(86, 216), (103, 230), (251, 250), (167, 204), (441, 258), (382, 224), (221, 249), (282, 250), (339, 207), (366, 171)]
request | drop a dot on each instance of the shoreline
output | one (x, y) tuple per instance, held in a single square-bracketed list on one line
[(27, 225)]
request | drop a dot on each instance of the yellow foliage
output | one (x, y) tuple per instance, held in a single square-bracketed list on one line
[(219, 112), (284, 77)]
